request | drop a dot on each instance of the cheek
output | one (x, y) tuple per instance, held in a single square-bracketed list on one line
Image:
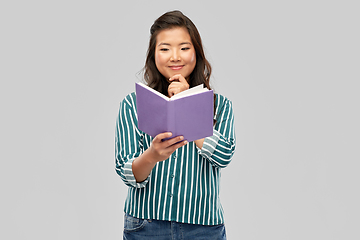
[(192, 60), (160, 63), (159, 60)]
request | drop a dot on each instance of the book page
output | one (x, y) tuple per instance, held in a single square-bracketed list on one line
[(191, 91)]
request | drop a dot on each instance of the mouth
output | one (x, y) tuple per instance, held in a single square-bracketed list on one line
[(176, 67)]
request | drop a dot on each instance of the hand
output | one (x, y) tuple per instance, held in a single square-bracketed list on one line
[(161, 150), (199, 143), (178, 84)]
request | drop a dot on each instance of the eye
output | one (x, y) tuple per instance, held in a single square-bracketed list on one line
[(185, 48), (164, 49)]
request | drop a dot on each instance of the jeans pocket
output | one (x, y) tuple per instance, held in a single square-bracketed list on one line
[(133, 224)]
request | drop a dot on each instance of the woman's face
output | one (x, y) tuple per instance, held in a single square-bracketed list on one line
[(174, 53)]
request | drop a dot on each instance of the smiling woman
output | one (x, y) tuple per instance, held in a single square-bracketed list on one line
[(174, 184)]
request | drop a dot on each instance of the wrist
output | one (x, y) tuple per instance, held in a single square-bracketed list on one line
[(150, 156), (142, 166)]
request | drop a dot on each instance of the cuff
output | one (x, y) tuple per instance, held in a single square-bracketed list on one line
[(210, 144), (130, 178)]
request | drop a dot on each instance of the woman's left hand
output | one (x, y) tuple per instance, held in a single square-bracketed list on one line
[(178, 84)]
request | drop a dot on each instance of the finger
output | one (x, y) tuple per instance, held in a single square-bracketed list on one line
[(161, 136), (174, 88), (175, 77), (183, 80), (173, 141), (173, 147), (171, 92), (179, 78)]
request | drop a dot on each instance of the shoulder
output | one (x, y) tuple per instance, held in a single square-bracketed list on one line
[(223, 107), (129, 100), (222, 101)]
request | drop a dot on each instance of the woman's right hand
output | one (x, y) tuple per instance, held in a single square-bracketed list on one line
[(162, 149), (158, 151)]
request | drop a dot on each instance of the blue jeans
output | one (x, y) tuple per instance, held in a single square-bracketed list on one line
[(142, 229)]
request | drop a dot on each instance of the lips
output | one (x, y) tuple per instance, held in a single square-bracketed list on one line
[(176, 67)]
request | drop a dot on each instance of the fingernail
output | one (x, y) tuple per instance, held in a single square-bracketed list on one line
[(185, 142)]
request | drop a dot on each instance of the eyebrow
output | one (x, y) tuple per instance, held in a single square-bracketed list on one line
[(168, 44)]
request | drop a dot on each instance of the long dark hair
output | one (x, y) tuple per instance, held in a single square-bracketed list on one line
[(202, 71)]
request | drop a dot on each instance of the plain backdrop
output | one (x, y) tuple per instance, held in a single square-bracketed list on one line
[(291, 69)]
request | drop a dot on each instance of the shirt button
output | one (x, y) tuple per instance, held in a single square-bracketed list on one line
[(172, 175), (171, 195), (174, 156)]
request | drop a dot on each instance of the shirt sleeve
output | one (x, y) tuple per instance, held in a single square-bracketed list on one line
[(128, 142), (219, 148)]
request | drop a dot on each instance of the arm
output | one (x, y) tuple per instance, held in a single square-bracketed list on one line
[(128, 142), (219, 148), (223, 131), (133, 164)]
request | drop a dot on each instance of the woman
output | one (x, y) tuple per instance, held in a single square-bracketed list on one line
[(173, 184)]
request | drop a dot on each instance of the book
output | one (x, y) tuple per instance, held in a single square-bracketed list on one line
[(189, 113)]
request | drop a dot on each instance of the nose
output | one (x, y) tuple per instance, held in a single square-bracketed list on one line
[(175, 56)]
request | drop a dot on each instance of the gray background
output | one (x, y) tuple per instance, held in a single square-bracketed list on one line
[(291, 69)]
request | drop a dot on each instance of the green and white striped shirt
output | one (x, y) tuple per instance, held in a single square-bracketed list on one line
[(185, 187)]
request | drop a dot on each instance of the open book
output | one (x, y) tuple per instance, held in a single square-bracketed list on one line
[(189, 113)]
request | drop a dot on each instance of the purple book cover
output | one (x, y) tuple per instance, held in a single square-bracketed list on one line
[(189, 116)]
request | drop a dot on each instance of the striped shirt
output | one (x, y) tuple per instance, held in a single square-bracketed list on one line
[(185, 187)]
